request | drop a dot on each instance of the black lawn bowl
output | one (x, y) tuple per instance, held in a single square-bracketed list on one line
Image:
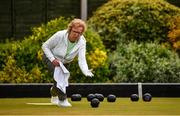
[(147, 97), (134, 97), (95, 103), (90, 97), (111, 98), (76, 97), (100, 97)]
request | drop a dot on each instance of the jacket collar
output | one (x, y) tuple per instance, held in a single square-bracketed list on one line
[(66, 38)]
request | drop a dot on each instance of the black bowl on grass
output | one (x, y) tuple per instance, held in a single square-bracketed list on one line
[(95, 103), (90, 97), (134, 97), (76, 97), (111, 98), (99, 96), (147, 97)]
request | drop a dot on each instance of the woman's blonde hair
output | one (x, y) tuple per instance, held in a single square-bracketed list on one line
[(77, 23)]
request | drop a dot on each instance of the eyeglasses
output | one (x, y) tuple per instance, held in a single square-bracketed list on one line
[(79, 33)]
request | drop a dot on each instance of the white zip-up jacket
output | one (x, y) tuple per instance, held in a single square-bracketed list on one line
[(56, 47)]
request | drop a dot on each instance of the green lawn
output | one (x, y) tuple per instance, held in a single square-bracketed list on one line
[(122, 106)]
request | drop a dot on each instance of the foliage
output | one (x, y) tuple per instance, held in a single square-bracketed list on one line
[(26, 55), (174, 34), (12, 73), (97, 58), (145, 62), (140, 20)]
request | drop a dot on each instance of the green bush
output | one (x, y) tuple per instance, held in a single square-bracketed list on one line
[(12, 73), (140, 20), (25, 57), (145, 62)]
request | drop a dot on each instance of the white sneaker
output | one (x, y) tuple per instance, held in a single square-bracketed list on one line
[(54, 100), (64, 103)]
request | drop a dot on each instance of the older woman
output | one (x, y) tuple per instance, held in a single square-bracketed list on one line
[(63, 46)]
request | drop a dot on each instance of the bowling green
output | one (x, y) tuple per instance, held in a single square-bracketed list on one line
[(122, 106)]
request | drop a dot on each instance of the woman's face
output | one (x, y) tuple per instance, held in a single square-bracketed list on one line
[(75, 33)]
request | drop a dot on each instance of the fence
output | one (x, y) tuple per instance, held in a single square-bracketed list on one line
[(118, 89), (18, 16)]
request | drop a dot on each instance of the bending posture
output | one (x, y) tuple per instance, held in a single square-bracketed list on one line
[(62, 47)]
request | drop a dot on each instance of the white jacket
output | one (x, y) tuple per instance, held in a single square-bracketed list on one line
[(56, 47)]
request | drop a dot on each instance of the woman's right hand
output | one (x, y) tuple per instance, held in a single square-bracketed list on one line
[(55, 62)]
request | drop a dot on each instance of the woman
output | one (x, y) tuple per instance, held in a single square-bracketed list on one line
[(62, 47)]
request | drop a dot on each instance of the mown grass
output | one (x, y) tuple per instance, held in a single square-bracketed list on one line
[(122, 106)]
